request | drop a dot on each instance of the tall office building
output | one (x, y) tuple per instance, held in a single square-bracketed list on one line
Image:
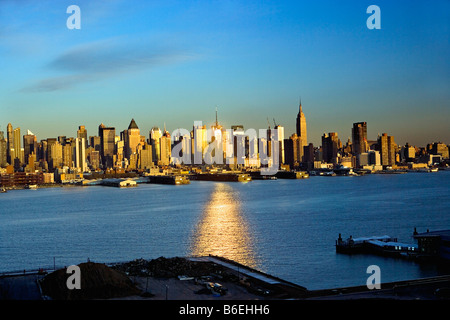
[(199, 142), (131, 138), (359, 138), (280, 138), (29, 145), (80, 154), (10, 144), (107, 142), (55, 154), (330, 147), (387, 148), (95, 143), (166, 148), (67, 154), (301, 126), (18, 154), (240, 146), (3, 150), (82, 133), (145, 157), (293, 150), (155, 142), (439, 148)]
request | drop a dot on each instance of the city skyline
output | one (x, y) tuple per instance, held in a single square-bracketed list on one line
[(165, 62), (270, 123)]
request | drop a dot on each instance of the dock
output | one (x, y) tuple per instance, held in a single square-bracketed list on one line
[(431, 246), (383, 245), (119, 183)]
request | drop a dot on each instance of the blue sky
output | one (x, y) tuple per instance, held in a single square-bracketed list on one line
[(174, 62)]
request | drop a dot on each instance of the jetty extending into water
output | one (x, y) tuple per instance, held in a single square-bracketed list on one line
[(431, 246), (384, 245)]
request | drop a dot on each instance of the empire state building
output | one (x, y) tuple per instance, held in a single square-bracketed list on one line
[(301, 126)]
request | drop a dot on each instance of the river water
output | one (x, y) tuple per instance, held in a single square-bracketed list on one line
[(286, 228)]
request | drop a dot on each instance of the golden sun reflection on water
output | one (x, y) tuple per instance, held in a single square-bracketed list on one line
[(222, 230)]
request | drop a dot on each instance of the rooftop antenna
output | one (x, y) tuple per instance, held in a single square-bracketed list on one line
[(268, 122)]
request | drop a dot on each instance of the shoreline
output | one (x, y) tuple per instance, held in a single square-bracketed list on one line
[(81, 184)]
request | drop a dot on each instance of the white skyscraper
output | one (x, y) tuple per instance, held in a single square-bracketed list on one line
[(80, 154)]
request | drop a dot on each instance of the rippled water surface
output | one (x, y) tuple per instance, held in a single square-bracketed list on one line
[(286, 228)]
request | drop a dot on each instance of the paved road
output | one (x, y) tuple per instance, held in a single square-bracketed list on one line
[(20, 288)]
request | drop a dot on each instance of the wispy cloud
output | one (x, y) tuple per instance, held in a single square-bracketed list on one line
[(106, 59)]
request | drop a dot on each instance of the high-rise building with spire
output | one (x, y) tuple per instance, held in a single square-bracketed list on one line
[(301, 127)]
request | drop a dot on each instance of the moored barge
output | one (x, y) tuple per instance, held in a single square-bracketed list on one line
[(233, 177)]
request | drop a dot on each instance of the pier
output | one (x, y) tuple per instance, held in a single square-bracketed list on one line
[(119, 183), (383, 245), (431, 246)]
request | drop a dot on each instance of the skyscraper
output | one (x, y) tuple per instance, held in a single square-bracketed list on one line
[(29, 145), (131, 137), (155, 142), (293, 151), (3, 150), (199, 142), (107, 141), (145, 156), (301, 126), (359, 137), (55, 154), (17, 146), (280, 137), (82, 133), (80, 154), (10, 144), (330, 147), (166, 150)]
